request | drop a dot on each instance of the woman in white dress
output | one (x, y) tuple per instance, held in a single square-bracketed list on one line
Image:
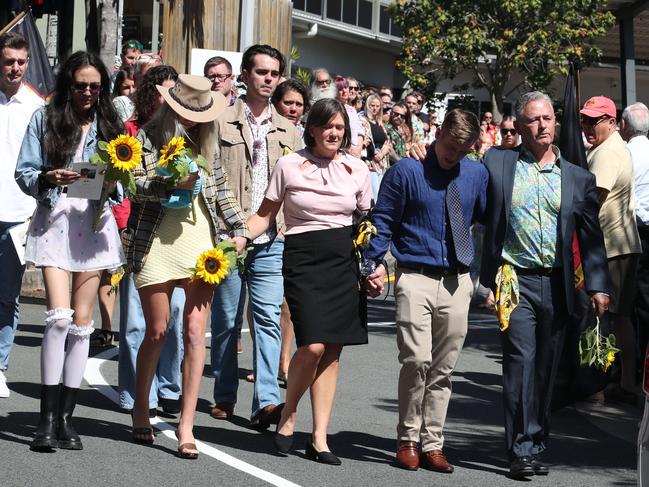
[(61, 240)]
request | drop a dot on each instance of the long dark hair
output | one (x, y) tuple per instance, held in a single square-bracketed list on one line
[(321, 112), (145, 97), (63, 123), (124, 73)]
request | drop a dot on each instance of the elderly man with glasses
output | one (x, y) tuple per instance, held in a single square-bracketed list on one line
[(609, 160)]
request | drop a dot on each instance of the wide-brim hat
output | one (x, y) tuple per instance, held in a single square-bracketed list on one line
[(192, 98)]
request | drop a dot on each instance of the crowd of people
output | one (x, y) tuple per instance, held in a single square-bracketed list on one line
[(292, 171)]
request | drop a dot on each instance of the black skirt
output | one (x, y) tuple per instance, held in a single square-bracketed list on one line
[(321, 286)]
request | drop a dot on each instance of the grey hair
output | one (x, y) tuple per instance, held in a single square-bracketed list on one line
[(317, 71), (527, 98), (636, 117)]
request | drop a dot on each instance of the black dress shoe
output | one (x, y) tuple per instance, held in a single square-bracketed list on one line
[(283, 443), (521, 467), (539, 467), (325, 457)]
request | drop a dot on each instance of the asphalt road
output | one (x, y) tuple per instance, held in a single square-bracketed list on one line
[(592, 444)]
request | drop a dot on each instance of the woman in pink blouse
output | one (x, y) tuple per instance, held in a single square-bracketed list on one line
[(321, 187)]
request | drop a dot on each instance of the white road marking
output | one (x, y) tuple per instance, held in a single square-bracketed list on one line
[(95, 379)]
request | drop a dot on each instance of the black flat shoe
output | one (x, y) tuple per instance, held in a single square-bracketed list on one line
[(283, 443), (521, 467), (169, 406), (325, 457), (540, 468)]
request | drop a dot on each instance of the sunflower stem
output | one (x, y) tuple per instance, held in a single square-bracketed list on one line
[(100, 210)]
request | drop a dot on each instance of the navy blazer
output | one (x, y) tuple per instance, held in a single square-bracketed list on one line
[(579, 212)]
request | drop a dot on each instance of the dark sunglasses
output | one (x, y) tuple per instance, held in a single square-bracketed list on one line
[(82, 87), (592, 122), (355, 88), (397, 114), (508, 131)]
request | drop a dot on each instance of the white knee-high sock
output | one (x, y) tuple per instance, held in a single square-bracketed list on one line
[(57, 324), (76, 354)]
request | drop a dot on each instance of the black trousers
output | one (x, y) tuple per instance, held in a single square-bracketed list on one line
[(532, 348)]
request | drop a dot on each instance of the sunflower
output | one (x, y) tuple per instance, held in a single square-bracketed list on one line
[(610, 358), (365, 233), (212, 266), (115, 279), (171, 150), (125, 152)]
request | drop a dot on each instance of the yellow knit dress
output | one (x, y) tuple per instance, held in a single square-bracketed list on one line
[(177, 244)]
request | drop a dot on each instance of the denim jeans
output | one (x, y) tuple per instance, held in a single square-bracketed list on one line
[(167, 379), (9, 292), (263, 277)]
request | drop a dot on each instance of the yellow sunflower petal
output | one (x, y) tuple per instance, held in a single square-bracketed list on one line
[(169, 151), (125, 153), (212, 266)]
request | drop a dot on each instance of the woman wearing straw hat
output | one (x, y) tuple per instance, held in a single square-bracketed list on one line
[(162, 243)]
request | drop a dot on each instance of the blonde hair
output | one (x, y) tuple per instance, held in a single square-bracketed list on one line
[(165, 125), (369, 100)]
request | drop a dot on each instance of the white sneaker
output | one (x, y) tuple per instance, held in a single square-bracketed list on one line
[(4, 390)]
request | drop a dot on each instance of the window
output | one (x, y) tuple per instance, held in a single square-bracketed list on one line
[(334, 9), (365, 14), (386, 26), (311, 6)]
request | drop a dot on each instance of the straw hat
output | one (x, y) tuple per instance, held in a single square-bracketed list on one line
[(191, 98)]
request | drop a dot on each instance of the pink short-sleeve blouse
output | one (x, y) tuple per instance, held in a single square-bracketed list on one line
[(322, 195)]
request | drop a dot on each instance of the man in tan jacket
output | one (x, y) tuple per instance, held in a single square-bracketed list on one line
[(610, 161), (252, 137)]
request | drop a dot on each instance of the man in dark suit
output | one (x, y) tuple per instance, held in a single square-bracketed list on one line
[(535, 202)]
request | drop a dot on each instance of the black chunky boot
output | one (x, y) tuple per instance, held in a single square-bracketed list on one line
[(45, 438), (65, 433)]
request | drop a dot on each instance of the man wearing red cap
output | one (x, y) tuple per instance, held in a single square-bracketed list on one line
[(609, 160)]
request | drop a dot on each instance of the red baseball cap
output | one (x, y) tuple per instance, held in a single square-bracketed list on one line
[(598, 106)]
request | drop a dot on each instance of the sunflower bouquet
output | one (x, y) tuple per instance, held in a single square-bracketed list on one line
[(596, 350), (213, 265), (120, 156), (176, 162)]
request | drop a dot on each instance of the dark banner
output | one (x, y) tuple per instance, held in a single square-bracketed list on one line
[(39, 74)]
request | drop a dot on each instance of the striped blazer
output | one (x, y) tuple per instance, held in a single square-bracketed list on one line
[(147, 212)]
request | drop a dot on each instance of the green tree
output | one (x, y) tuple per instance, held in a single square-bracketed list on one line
[(496, 38)]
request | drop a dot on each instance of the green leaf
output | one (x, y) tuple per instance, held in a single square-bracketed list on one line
[(99, 158), (102, 145)]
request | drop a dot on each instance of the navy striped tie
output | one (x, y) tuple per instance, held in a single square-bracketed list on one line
[(459, 230)]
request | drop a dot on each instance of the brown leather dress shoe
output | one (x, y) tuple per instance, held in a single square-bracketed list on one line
[(436, 461), (222, 410), (266, 416), (408, 455)]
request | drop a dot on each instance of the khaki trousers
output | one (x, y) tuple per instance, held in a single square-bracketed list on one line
[(432, 319)]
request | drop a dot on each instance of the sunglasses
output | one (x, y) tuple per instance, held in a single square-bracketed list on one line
[(323, 82), (355, 88), (82, 87), (397, 114), (135, 44), (592, 122), (508, 131), (220, 77)]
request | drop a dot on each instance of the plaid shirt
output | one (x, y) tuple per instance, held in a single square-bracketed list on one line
[(147, 212)]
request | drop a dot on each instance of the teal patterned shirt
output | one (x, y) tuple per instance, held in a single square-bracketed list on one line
[(532, 236)]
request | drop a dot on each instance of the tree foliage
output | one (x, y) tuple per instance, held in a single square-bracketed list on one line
[(495, 38)]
